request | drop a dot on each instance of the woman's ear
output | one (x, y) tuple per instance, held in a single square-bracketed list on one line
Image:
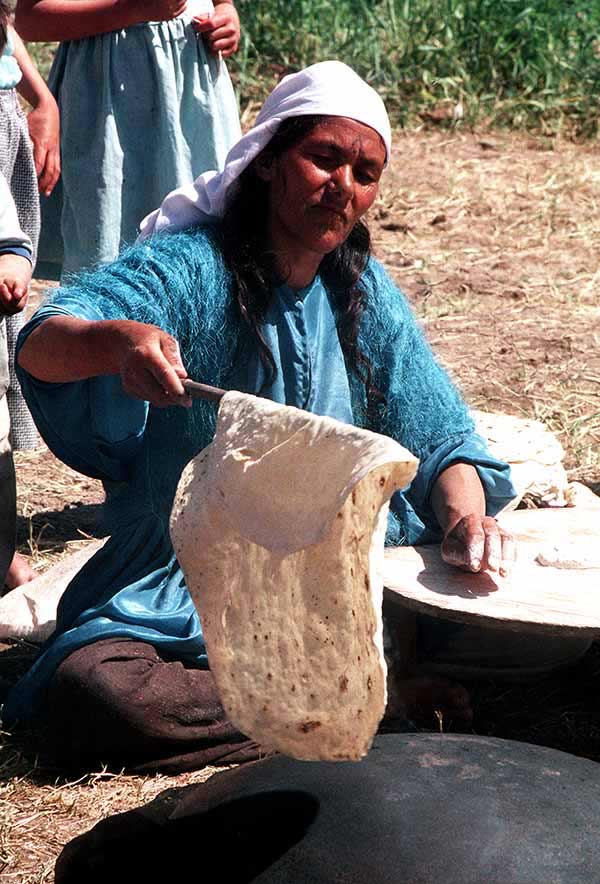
[(263, 165)]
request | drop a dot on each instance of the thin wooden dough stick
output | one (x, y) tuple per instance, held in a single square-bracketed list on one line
[(203, 391)]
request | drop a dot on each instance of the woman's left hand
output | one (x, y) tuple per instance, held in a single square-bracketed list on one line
[(478, 543), (222, 30)]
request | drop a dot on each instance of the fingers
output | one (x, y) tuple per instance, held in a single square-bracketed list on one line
[(221, 30), (15, 274), (157, 383), (168, 379), (39, 156), (493, 546), (12, 298), (477, 543), (500, 549), (509, 553), (227, 46), (152, 369), (203, 24), (170, 348), (19, 298), (50, 172), (44, 132), (464, 545), (5, 299), (47, 167), (140, 383)]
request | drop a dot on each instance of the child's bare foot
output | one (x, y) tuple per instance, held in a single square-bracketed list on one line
[(430, 701), (19, 572)]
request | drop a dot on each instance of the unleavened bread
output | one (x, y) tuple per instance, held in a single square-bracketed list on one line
[(279, 527)]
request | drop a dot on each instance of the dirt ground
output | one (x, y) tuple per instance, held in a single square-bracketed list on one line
[(495, 238)]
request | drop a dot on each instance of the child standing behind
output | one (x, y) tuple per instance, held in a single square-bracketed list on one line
[(29, 160), (146, 105), (29, 145), (15, 273)]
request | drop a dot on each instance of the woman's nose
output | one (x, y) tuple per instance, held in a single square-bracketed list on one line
[(343, 179)]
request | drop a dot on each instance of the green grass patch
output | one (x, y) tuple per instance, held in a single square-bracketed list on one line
[(510, 62), (521, 63)]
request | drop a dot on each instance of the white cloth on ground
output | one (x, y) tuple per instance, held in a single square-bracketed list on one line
[(29, 611), (535, 456)]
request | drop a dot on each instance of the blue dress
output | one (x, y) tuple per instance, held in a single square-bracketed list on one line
[(10, 72), (143, 110), (134, 587)]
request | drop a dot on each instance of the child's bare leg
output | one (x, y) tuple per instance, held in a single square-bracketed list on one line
[(8, 488)]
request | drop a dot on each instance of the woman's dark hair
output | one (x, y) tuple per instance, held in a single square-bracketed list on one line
[(244, 244)]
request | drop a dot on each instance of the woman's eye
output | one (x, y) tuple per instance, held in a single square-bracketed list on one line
[(365, 177), (323, 159)]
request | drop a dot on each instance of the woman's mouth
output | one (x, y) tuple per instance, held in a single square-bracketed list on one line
[(334, 211)]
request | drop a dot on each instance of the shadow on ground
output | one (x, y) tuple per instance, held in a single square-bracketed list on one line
[(51, 529)]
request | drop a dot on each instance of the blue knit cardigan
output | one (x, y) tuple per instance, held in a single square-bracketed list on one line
[(134, 587)]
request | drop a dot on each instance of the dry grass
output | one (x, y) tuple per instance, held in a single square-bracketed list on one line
[(38, 814), (57, 511), (496, 240)]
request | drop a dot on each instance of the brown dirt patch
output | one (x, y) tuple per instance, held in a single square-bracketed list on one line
[(496, 241), (497, 244)]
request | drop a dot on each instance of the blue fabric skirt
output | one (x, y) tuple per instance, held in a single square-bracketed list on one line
[(143, 110)]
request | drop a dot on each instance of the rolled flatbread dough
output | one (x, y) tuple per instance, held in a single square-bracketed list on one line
[(569, 555), (279, 527)]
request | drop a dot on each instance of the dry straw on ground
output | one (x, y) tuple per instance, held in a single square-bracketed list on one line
[(497, 242)]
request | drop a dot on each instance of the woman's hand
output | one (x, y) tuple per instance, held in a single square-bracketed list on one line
[(148, 362), (64, 348), (472, 540), (221, 30), (477, 543)]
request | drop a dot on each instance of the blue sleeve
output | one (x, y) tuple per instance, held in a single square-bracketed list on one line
[(91, 425), (412, 520), (22, 251), (425, 413)]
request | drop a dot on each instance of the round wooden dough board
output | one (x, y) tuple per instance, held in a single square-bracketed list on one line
[(532, 598)]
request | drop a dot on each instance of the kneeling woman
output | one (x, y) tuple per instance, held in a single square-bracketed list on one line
[(269, 289)]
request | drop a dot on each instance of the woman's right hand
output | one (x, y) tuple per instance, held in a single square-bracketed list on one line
[(148, 361), (65, 348)]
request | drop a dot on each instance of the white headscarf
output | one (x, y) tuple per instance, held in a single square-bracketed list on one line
[(328, 88)]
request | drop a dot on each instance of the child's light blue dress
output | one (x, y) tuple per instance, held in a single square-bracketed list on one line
[(143, 111), (10, 72)]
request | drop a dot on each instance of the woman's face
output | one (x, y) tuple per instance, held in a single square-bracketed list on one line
[(321, 186)]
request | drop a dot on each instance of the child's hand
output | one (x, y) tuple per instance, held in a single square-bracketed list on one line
[(222, 30), (15, 275), (44, 130)]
